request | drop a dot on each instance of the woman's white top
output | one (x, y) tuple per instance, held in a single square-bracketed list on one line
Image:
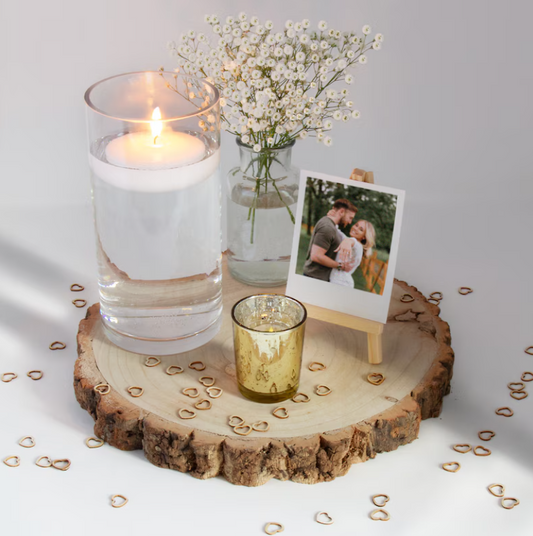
[(340, 277)]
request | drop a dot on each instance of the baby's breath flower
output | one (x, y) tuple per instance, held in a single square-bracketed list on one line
[(254, 21), (230, 20), (362, 59), (348, 79), (324, 45), (242, 16), (376, 45), (379, 38), (298, 26), (337, 115), (366, 29), (304, 39), (328, 142), (306, 23), (322, 25), (356, 114), (269, 25), (289, 24), (207, 18)]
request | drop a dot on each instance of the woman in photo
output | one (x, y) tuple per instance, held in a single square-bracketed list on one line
[(362, 239)]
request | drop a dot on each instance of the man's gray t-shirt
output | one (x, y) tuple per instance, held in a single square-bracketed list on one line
[(325, 236)]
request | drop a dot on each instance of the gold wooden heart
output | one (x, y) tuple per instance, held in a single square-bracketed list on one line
[(375, 378), (323, 390), (261, 426), (448, 467), (197, 365), (35, 374), (516, 386), (116, 504), (191, 392), (48, 460), (76, 288), (57, 345), (462, 448), (203, 404), (185, 413), (62, 465), (516, 502), (519, 395), (481, 451), (135, 391), (207, 381), (316, 366), (300, 398), (505, 412), (94, 442), (465, 290), (173, 370), (152, 361), (242, 429), (407, 298), (281, 413), (527, 377), (324, 518), (274, 528), (502, 490), (14, 463), (234, 422), (9, 377), (377, 502), (27, 442), (483, 433), (214, 392), (380, 515)]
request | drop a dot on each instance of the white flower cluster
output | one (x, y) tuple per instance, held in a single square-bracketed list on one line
[(277, 86)]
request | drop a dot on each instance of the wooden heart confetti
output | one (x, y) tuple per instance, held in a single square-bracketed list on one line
[(214, 392), (451, 467), (274, 528), (14, 463), (35, 374), (261, 426), (462, 448), (323, 390), (407, 298), (191, 392), (316, 366), (481, 451), (499, 493), (152, 361), (185, 413), (375, 378), (280, 413), (79, 303), (527, 377), (102, 388), (203, 404), (324, 518), (94, 442), (197, 365), (505, 412), (529, 350), (380, 503), (39, 461), (57, 345), (27, 442), (519, 395), (484, 433), (118, 504), (515, 502), (62, 465), (380, 515), (8, 377), (173, 370), (516, 386), (300, 398), (76, 288), (135, 391), (465, 290), (207, 381), (242, 429), (236, 420)]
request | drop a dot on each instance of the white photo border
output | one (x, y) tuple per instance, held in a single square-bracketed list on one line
[(328, 295)]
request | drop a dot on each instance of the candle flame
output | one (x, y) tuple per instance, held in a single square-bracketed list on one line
[(157, 125)]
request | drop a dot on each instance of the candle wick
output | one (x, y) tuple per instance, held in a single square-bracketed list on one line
[(155, 139)]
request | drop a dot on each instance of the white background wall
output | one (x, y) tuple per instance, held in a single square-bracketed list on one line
[(446, 115)]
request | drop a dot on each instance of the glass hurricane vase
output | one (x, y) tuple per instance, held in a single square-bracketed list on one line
[(262, 196)]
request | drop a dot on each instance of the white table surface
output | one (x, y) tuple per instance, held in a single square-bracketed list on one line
[(44, 250)]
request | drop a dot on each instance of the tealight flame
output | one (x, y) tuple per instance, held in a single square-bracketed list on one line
[(156, 125)]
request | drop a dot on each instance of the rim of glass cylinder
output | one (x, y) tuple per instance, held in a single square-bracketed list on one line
[(302, 321), (87, 98), (246, 146)]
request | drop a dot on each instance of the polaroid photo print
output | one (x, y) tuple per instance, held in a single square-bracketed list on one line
[(345, 245)]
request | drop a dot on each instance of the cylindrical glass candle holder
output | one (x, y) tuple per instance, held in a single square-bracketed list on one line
[(268, 336), (154, 140)]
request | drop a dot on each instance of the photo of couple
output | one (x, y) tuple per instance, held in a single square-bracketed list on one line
[(346, 235)]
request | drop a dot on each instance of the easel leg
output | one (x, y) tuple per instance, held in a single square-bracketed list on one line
[(375, 354)]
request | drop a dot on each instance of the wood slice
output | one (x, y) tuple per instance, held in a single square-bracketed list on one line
[(318, 442)]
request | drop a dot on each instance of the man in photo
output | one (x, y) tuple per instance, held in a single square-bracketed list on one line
[(326, 240)]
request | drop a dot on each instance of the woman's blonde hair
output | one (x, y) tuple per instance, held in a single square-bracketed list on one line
[(369, 241)]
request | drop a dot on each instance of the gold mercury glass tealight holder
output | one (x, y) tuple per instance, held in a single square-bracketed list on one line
[(268, 336)]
